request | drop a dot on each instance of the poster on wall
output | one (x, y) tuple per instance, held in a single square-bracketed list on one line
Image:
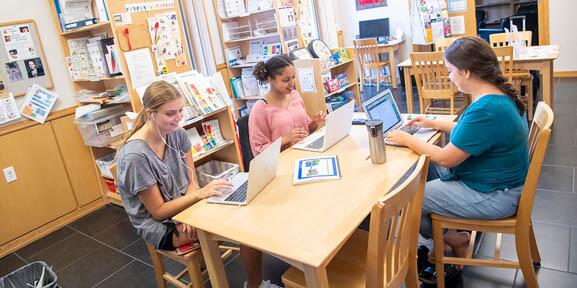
[(368, 4)]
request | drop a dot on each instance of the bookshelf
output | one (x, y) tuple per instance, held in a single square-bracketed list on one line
[(139, 38), (317, 100), (275, 26)]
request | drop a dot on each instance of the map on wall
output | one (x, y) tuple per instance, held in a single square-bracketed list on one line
[(368, 4)]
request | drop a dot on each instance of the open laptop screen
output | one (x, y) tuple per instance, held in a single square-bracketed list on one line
[(383, 107)]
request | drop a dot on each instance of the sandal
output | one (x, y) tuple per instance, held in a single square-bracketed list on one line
[(429, 275)]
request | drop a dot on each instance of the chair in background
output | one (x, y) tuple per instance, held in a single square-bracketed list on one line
[(519, 225), (433, 83), (522, 78), (505, 57), (386, 255), (243, 136), (442, 44), (368, 58)]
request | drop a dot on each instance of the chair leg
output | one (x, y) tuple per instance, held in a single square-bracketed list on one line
[(362, 80), (194, 273), (529, 93), (534, 249), (158, 266), (439, 263), (525, 260), (412, 279), (378, 79)]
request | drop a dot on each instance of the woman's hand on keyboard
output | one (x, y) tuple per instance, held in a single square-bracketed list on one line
[(294, 136), (421, 121), (398, 137), (215, 187)]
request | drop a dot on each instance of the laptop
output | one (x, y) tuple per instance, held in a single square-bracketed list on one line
[(383, 107), (338, 126), (246, 186)]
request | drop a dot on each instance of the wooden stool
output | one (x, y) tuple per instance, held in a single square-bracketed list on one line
[(192, 260)]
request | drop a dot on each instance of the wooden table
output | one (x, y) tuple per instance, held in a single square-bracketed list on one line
[(302, 225), (390, 48), (538, 58)]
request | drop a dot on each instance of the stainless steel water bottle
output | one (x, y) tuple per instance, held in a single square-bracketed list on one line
[(376, 141)]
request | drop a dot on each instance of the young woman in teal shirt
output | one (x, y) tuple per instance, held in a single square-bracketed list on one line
[(480, 173)]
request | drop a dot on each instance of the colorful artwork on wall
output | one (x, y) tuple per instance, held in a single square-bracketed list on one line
[(368, 4)]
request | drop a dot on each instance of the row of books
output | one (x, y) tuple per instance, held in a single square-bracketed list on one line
[(93, 58), (246, 86), (211, 138)]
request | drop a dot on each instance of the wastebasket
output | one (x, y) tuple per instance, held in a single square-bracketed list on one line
[(36, 275)]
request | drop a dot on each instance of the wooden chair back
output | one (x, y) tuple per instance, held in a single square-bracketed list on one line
[(393, 232), (432, 76), (538, 140), (442, 44), (502, 39), (367, 52), (505, 57)]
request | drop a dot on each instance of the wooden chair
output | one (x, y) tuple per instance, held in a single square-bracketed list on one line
[(191, 260), (368, 57), (505, 57), (519, 225), (522, 78), (442, 44), (386, 255), (433, 83)]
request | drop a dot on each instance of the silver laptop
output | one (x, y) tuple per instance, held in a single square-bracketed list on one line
[(338, 126), (246, 186), (383, 107)]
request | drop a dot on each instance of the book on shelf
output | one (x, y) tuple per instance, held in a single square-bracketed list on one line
[(79, 62), (199, 92), (74, 14), (333, 102), (234, 8), (233, 56), (97, 57), (217, 81), (196, 141), (236, 85), (320, 168), (249, 83), (211, 139), (111, 56), (101, 10)]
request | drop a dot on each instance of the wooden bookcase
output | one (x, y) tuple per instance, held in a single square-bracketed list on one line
[(249, 19), (229, 152), (316, 101)]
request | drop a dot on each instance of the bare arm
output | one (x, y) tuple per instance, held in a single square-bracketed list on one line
[(445, 126)]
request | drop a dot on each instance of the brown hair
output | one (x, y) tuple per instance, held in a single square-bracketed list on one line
[(156, 94), (271, 68), (475, 54)]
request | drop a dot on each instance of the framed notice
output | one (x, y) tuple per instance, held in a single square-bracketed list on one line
[(22, 60)]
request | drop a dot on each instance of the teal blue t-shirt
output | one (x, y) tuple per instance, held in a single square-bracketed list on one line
[(496, 136)]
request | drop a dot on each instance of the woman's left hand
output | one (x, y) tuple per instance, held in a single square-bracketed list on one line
[(319, 119), (188, 230), (398, 137)]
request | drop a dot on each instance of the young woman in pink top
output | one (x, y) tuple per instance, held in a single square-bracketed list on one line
[(281, 113)]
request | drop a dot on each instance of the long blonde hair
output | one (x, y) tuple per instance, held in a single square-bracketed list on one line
[(156, 95)]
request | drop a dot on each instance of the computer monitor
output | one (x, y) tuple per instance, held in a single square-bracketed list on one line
[(376, 28)]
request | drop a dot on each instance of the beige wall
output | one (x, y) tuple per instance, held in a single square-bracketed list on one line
[(562, 20), (39, 11)]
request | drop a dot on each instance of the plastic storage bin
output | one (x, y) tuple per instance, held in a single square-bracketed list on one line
[(213, 170), (101, 127), (104, 164), (30, 276)]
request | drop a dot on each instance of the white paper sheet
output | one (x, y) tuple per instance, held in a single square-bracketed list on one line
[(38, 103), (8, 108), (457, 5), (307, 80), (140, 67), (457, 25)]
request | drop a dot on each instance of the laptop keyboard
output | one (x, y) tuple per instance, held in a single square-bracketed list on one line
[(411, 130), (317, 144), (239, 195)]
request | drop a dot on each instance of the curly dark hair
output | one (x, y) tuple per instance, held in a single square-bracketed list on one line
[(271, 68)]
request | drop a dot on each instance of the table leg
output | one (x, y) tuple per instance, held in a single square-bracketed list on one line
[(547, 76), (316, 277), (212, 259), (408, 89), (392, 67)]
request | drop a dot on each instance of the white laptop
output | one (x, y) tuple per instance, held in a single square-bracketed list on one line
[(383, 107), (338, 126), (246, 186)]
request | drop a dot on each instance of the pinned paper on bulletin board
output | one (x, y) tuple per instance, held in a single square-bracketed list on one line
[(166, 39), (133, 37), (38, 103), (457, 25), (457, 5), (306, 78)]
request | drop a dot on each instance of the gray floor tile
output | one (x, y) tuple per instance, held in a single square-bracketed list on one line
[(67, 251), (555, 207), (487, 277), (45, 242), (138, 250), (556, 178), (100, 220), (119, 236), (561, 155), (10, 263), (92, 268), (550, 278), (573, 253), (563, 133), (135, 275)]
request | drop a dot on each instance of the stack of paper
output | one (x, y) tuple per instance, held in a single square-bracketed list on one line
[(249, 83)]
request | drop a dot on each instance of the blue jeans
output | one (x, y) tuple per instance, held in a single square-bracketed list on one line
[(455, 199)]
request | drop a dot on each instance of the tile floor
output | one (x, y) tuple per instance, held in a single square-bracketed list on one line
[(102, 249)]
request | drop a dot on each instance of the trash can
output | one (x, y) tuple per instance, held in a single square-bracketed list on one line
[(35, 275)]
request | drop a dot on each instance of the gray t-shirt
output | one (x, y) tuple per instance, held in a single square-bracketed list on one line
[(139, 168)]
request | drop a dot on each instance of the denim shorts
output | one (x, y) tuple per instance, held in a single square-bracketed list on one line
[(455, 199)]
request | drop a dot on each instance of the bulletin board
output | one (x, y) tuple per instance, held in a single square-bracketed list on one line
[(22, 57), (155, 25)]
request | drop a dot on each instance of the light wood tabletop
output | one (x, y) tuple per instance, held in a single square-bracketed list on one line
[(538, 58), (304, 225)]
